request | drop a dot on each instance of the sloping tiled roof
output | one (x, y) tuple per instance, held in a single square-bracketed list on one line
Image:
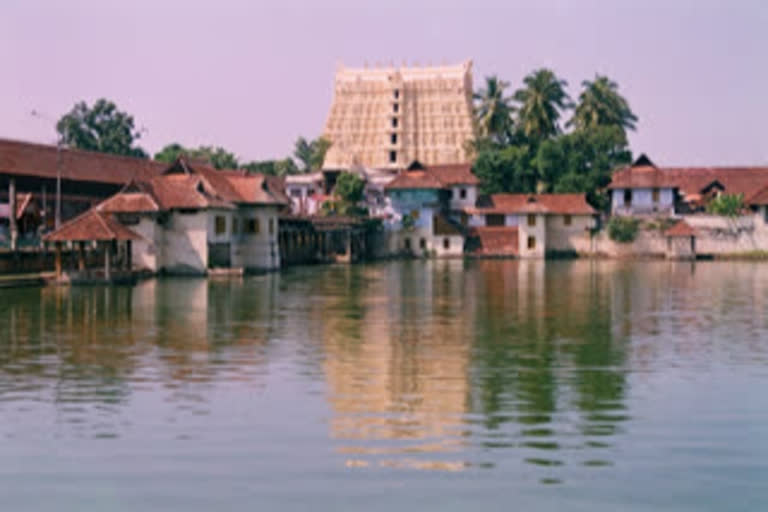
[(184, 186), (454, 174), (682, 228), (91, 225), (39, 160), (435, 176), (567, 204), (692, 180), (496, 240), (758, 198), (415, 180)]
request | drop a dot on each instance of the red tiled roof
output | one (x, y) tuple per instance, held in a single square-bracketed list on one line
[(682, 228), (434, 176), (759, 198), (184, 186), (29, 159), (496, 240), (692, 180), (567, 204), (415, 180), (91, 225), (454, 174)]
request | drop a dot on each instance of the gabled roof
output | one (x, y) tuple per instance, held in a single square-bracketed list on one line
[(681, 229), (415, 180), (91, 225), (183, 186), (418, 176), (45, 161), (566, 204), (758, 198)]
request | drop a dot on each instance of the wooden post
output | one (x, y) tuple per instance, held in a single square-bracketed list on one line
[(81, 256), (107, 260), (12, 223), (57, 260), (128, 255)]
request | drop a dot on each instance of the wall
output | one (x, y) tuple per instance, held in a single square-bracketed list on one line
[(575, 237), (538, 231), (723, 235), (185, 248), (257, 251), (146, 254), (642, 201), (470, 200)]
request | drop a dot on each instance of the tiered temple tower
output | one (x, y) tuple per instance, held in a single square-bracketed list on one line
[(388, 117)]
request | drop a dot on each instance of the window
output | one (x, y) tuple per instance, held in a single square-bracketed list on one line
[(531, 242), (446, 243), (396, 108), (494, 219), (220, 224), (271, 224), (407, 244), (252, 226), (295, 192), (393, 156), (422, 243), (531, 219), (567, 220), (310, 191), (397, 93), (393, 138), (451, 195), (655, 195), (463, 193), (628, 196), (235, 226), (394, 122)]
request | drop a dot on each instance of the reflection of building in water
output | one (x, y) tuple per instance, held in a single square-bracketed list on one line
[(397, 365)]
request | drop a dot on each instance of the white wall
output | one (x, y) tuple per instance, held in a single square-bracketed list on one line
[(538, 231), (470, 200), (146, 254), (575, 237), (185, 248), (642, 200), (256, 251)]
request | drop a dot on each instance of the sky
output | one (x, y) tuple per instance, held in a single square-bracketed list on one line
[(252, 76)]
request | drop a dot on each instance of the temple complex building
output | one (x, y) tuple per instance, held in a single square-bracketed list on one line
[(389, 117)]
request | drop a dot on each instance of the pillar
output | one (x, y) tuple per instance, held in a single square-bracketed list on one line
[(12, 222), (81, 256), (107, 260), (128, 255), (57, 260)]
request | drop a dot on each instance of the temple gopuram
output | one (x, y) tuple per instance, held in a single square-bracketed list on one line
[(388, 117)]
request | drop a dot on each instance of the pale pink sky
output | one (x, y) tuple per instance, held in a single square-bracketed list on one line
[(254, 75)]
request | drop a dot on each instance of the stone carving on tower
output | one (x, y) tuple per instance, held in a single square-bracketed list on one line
[(389, 117)]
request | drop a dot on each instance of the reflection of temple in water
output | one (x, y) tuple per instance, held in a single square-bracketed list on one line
[(397, 364)]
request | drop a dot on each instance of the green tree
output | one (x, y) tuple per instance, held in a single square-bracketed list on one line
[(541, 102), (101, 128), (310, 154), (493, 112), (582, 162), (272, 167), (217, 157), (350, 187), (727, 205), (600, 104), (506, 169)]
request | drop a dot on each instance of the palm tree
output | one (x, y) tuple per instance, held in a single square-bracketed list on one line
[(541, 102), (600, 104), (493, 113)]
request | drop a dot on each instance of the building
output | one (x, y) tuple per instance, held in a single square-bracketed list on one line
[(645, 189), (530, 225), (426, 209), (193, 218), (389, 117), (34, 172)]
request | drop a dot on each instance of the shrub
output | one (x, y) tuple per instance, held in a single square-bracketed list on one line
[(727, 205), (623, 229)]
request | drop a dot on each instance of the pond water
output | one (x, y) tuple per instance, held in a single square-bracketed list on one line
[(441, 385)]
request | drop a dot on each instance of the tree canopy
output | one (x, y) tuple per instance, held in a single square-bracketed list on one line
[(217, 157), (542, 101), (102, 127), (600, 104), (493, 111), (310, 154)]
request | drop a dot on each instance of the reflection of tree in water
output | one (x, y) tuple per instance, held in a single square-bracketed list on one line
[(544, 344)]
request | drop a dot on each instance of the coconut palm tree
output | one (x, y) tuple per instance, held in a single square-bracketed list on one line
[(493, 112), (600, 104), (541, 102)]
